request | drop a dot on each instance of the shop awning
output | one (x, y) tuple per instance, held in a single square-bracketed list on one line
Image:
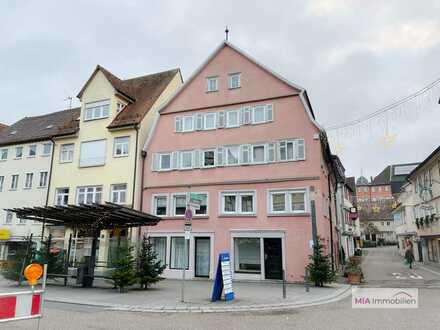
[(88, 216)]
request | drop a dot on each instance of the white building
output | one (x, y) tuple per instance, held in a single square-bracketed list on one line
[(25, 167)]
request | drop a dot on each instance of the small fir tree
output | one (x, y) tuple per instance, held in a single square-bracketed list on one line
[(53, 257), (320, 268), (124, 274), (149, 268), (14, 268)]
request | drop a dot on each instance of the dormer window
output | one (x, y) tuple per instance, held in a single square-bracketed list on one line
[(212, 84), (234, 80), (97, 110)]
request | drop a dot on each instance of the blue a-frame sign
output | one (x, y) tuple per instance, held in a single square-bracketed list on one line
[(223, 279)]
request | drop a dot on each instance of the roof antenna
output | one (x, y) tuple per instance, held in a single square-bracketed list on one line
[(70, 101), (226, 33)]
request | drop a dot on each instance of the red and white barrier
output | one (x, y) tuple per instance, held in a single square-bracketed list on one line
[(20, 305)]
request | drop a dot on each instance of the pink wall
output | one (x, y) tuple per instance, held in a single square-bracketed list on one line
[(290, 121)]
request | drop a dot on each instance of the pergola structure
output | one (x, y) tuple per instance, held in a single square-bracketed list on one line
[(89, 218)]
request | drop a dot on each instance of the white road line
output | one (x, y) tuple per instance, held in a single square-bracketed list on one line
[(429, 270)]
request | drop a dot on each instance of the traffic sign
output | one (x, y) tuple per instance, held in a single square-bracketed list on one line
[(188, 214)]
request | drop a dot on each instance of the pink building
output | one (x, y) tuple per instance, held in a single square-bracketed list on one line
[(246, 141)]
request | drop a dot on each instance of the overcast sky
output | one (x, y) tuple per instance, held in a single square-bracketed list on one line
[(353, 57)]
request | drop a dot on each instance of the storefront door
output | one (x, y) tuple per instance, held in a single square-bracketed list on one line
[(273, 258), (202, 256)]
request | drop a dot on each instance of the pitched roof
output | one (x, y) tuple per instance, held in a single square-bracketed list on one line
[(389, 176), (427, 159), (3, 126), (301, 91), (144, 91), (40, 128), (350, 182), (141, 92)]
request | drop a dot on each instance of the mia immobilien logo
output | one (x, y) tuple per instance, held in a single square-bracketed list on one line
[(384, 298)]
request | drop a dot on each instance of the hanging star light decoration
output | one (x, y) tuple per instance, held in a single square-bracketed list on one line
[(388, 140), (376, 209)]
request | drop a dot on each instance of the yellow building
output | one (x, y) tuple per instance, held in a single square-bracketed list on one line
[(103, 160)]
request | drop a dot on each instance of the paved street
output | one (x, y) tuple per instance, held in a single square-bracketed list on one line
[(380, 265)]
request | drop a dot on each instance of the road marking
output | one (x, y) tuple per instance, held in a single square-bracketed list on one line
[(429, 270), (397, 274), (416, 276)]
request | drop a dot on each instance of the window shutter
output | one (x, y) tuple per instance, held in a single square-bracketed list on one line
[(221, 119), (178, 124), (196, 159), (244, 154), (175, 160), (247, 115), (199, 122), (241, 116), (300, 149), (155, 164), (270, 149), (220, 156), (269, 112)]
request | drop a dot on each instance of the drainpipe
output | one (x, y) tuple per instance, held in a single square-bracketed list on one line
[(48, 184), (134, 175), (331, 223), (141, 199)]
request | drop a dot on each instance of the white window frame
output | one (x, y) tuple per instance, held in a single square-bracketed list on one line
[(264, 153), (14, 181), (154, 204), (4, 154), (295, 145), (254, 110), (85, 163), (163, 154), (208, 84), (2, 182), (28, 180), (205, 126), (9, 217), (226, 160), (58, 193), (231, 77), (16, 152), (47, 145), (287, 200), (173, 203), (102, 105), (117, 142), (185, 153), (238, 202), (65, 149), (34, 148), (184, 128), (203, 158), (228, 114), (94, 192), (119, 193), (43, 175)]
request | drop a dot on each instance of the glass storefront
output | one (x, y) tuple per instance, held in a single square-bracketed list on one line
[(247, 255)]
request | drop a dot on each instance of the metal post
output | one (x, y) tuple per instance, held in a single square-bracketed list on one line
[(182, 294), (66, 263), (284, 284), (306, 280), (314, 228), (42, 294), (25, 259)]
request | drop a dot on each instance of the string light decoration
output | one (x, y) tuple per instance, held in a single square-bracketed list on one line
[(384, 121)]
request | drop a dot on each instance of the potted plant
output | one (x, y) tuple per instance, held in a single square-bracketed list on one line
[(354, 273)]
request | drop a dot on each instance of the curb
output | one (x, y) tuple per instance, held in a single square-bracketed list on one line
[(339, 295)]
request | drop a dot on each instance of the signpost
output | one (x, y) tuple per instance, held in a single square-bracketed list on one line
[(187, 227), (223, 279)]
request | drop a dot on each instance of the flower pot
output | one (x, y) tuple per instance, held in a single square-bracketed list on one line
[(354, 278)]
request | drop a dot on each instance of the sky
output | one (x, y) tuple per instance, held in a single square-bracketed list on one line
[(353, 57)]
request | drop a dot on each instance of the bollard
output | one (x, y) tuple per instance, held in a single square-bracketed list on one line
[(284, 284), (306, 280)]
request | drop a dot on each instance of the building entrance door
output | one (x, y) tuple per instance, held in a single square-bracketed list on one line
[(202, 256), (273, 258)]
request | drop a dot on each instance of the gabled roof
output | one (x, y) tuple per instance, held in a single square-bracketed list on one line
[(389, 176), (427, 159), (301, 91), (30, 129), (140, 92), (145, 91)]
